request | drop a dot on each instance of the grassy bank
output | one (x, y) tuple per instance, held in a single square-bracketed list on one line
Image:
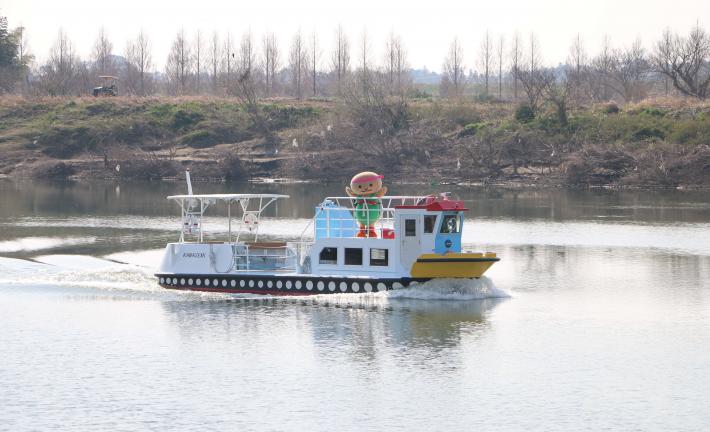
[(655, 143)]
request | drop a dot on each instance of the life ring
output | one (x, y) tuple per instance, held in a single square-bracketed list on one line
[(250, 220)]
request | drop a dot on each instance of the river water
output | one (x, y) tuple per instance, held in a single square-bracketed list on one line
[(596, 318)]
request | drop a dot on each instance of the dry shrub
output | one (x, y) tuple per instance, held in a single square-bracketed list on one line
[(597, 166), (232, 168), (53, 170), (610, 108), (673, 165)]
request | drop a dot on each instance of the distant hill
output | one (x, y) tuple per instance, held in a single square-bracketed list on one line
[(424, 76)]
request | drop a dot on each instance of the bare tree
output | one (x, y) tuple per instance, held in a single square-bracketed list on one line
[(629, 70), (179, 63), (215, 55), (486, 59), (340, 57), (381, 120), (365, 61), (662, 53), (246, 91), (139, 60), (395, 64), (556, 88), (531, 76), (297, 59), (60, 71), (603, 65), (533, 53), (578, 65), (103, 49), (314, 60), (199, 60), (271, 62), (516, 54), (500, 48), (453, 78), (129, 78), (228, 60), (144, 58), (247, 56), (686, 61)]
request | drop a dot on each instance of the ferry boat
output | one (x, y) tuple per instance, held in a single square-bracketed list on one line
[(414, 239)]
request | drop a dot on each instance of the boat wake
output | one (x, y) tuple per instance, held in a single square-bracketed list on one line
[(101, 275), (82, 276), (450, 289), (441, 295), (29, 244)]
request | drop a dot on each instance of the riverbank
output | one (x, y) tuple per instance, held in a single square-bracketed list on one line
[(659, 143)]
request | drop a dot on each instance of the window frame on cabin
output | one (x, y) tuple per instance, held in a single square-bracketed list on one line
[(348, 256), (380, 262), (330, 249), (430, 229)]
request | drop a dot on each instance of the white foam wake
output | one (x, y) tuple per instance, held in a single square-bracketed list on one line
[(450, 289), (109, 276), (96, 276), (134, 278), (41, 243)]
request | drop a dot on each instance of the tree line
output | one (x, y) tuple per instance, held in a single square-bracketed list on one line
[(502, 68)]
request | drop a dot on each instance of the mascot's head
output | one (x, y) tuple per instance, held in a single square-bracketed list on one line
[(366, 183)]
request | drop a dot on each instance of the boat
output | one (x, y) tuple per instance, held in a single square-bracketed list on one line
[(414, 239)]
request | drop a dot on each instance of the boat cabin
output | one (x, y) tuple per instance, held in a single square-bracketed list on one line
[(408, 227)]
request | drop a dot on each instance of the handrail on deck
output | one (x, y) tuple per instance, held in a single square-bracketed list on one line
[(345, 225)]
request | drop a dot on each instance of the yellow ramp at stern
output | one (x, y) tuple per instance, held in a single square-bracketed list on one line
[(453, 265)]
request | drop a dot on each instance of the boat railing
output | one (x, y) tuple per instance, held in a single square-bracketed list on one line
[(335, 216), (261, 258)]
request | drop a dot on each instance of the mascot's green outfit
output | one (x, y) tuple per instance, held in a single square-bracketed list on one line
[(368, 210), (366, 189)]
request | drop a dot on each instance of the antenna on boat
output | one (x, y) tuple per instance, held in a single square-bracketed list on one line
[(192, 202), (189, 183)]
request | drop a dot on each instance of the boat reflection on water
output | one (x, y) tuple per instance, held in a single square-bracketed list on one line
[(442, 321), (359, 324)]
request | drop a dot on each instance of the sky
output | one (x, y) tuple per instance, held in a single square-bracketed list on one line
[(426, 27)]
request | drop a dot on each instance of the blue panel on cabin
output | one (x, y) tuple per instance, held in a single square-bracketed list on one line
[(334, 221), (448, 241)]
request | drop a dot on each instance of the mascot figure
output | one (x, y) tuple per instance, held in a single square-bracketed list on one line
[(367, 190)]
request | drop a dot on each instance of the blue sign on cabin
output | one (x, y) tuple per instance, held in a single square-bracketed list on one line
[(334, 221), (448, 238)]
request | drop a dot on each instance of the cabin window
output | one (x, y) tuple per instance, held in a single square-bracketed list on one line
[(450, 224), (328, 255), (379, 257), (429, 224), (353, 256), (410, 227)]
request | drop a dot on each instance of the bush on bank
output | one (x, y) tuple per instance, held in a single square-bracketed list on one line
[(654, 142)]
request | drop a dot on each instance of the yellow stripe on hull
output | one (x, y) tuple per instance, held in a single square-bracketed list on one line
[(453, 265)]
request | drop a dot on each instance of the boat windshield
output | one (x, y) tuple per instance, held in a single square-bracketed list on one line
[(450, 224)]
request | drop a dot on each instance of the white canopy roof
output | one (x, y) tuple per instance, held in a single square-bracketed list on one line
[(226, 197)]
